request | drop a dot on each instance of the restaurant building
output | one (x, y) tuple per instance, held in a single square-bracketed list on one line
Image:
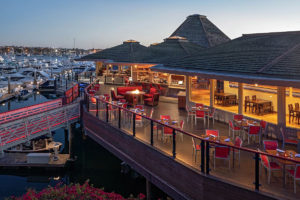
[(256, 75)]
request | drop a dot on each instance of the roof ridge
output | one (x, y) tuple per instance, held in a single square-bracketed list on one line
[(206, 36), (278, 58), (271, 33), (185, 49)]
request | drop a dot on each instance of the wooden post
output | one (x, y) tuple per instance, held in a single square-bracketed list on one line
[(8, 85), (241, 97), (212, 92), (70, 140), (281, 106), (148, 190)]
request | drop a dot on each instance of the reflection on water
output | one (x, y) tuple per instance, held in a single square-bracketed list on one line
[(93, 163)]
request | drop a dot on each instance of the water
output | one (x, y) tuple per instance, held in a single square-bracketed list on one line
[(93, 162)]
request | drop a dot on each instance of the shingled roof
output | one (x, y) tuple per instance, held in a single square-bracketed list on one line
[(199, 30), (120, 52), (170, 49), (264, 56)]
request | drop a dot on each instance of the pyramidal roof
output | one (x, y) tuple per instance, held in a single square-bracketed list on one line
[(120, 52), (199, 30)]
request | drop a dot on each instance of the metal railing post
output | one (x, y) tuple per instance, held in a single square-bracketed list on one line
[(207, 158), (88, 103), (119, 124), (202, 156), (106, 112), (133, 124), (151, 132), (256, 171), (174, 143), (97, 107)]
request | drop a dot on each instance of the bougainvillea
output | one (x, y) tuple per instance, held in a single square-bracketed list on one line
[(72, 192)]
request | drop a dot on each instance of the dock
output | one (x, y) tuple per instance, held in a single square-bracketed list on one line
[(7, 97), (13, 160)]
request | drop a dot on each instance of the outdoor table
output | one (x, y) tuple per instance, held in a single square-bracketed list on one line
[(138, 94), (174, 123), (220, 139), (284, 163), (205, 109), (225, 97), (261, 105), (246, 123)]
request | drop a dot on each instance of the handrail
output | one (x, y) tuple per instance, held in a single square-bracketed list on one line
[(191, 134)]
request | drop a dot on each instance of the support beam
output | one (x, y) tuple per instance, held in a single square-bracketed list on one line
[(241, 97), (187, 89), (212, 92), (281, 106)]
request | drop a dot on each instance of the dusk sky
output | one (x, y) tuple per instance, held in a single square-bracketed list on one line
[(102, 24)]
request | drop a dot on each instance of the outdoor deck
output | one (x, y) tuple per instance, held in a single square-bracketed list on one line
[(243, 175)]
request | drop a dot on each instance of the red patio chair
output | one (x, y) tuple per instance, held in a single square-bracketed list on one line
[(122, 100), (238, 117), (286, 139), (263, 125), (165, 117), (295, 174), (200, 114), (269, 166), (141, 107), (270, 144), (196, 148), (253, 131), (238, 142), (198, 105), (210, 132), (152, 101), (232, 128), (115, 97), (222, 152), (151, 93), (190, 112), (167, 133)]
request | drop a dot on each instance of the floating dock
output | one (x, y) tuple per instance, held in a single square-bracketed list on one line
[(12, 160)]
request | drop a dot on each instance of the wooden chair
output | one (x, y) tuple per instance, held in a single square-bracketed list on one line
[(247, 103), (292, 113)]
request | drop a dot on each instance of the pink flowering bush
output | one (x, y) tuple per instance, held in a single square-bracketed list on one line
[(72, 192)]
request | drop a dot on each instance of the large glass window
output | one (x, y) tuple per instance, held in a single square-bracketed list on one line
[(199, 90)]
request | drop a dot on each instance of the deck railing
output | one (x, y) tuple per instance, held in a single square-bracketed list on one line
[(126, 120)]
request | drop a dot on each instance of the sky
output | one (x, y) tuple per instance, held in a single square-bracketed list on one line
[(106, 23)]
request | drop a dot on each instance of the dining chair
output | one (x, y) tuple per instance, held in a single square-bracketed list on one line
[(141, 107), (238, 117), (196, 148), (270, 144), (252, 132), (263, 126), (165, 117), (295, 174), (211, 115), (122, 100), (269, 166), (286, 139), (222, 152), (190, 113), (199, 105), (210, 132), (292, 113), (247, 103), (167, 133), (200, 114), (238, 142), (233, 129)]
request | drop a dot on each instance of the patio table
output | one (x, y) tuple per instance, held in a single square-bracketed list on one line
[(284, 163)]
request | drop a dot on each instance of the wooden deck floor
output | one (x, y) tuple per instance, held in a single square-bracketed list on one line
[(241, 175)]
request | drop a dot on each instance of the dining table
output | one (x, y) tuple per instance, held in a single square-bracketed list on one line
[(245, 123), (139, 95), (285, 163), (225, 98), (261, 105)]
